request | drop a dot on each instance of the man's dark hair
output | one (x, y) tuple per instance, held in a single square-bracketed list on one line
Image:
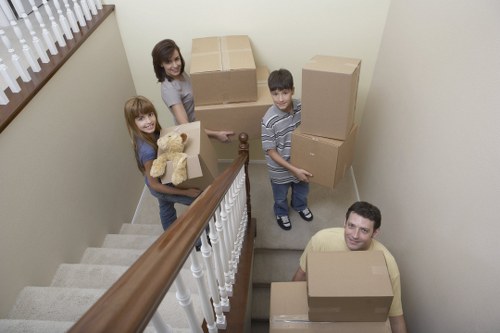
[(280, 79), (366, 210)]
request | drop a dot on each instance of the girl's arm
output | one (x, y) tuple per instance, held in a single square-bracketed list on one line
[(156, 185), (179, 113), (181, 117)]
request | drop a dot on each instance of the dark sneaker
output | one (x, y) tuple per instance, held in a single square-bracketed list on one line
[(306, 214), (284, 222)]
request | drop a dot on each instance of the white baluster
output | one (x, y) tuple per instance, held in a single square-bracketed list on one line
[(229, 237), (219, 270), (71, 17), (4, 100), (160, 325), (92, 7), (7, 10), (38, 43), (98, 4), (55, 27), (222, 232), (183, 295), (23, 73), (79, 13), (49, 41), (85, 9), (13, 85), (28, 55), (63, 21), (207, 253), (202, 289)]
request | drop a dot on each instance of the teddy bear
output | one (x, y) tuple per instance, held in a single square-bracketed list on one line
[(171, 147)]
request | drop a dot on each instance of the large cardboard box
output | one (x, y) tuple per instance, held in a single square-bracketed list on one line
[(348, 286), (327, 159), (289, 314), (202, 164), (239, 117), (223, 70), (329, 92)]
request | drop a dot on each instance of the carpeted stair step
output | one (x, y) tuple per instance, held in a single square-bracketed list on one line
[(261, 301), (34, 326), (53, 303), (102, 256), (69, 304), (271, 265), (50, 326), (87, 276), (141, 229), (102, 276), (119, 241)]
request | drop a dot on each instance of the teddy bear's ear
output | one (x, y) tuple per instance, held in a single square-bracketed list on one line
[(184, 137)]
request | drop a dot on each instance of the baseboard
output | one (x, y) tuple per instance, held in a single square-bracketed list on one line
[(355, 184), (139, 204)]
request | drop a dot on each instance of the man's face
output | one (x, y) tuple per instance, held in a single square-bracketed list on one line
[(358, 232)]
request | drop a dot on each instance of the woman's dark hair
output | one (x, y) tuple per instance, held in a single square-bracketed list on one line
[(366, 210), (162, 52)]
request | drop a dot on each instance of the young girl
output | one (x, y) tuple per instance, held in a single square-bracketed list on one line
[(144, 130), (176, 88)]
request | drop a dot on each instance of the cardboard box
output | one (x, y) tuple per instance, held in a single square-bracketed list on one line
[(327, 159), (223, 70), (348, 286), (329, 92), (202, 164), (289, 314), (239, 117)]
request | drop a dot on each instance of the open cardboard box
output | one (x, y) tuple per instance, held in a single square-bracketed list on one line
[(327, 159), (223, 70), (289, 313), (202, 164), (329, 92), (348, 286), (239, 117)]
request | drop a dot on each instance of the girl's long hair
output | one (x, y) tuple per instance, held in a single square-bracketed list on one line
[(134, 107)]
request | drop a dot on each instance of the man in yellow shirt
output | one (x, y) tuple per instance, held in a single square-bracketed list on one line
[(362, 223)]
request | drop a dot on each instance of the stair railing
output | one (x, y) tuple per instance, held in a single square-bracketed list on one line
[(131, 302)]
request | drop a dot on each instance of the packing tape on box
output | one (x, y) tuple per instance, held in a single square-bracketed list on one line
[(293, 321)]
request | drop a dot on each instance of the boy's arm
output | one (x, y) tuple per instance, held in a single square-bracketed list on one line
[(301, 174)]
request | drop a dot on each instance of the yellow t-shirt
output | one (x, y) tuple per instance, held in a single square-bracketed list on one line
[(332, 239)]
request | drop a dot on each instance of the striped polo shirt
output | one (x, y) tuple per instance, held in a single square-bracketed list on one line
[(277, 127)]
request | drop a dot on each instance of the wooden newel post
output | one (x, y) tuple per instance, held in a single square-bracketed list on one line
[(245, 149)]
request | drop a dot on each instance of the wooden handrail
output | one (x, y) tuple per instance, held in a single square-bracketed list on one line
[(132, 300)]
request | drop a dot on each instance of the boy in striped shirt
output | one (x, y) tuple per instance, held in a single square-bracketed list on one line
[(277, 126)]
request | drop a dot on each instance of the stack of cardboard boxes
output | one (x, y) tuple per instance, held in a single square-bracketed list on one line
[(348, 292), (324, 142), (230, 92)]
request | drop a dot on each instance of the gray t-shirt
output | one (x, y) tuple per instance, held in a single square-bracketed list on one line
[(177, 92)]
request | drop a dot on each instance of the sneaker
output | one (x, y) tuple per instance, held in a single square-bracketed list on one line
[(306, 214), (284, 222)]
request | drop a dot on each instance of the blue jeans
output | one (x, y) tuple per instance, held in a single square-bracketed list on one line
[(168, 214), (300, 191)]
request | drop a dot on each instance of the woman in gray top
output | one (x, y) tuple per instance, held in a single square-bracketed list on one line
[(176, 88)]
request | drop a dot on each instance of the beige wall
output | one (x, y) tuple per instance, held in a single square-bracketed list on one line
[(429, 155), (68, 174), (283, 34)]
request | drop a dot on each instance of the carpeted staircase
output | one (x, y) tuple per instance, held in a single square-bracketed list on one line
[(75, 287)]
